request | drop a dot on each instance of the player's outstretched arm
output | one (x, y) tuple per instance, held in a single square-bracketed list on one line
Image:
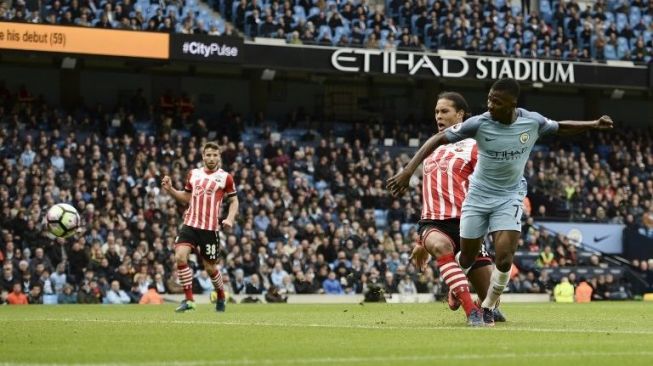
[(398, 183), (179, 196), (568, 128), (228, 222)]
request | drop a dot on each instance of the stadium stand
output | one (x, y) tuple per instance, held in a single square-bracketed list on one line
[(183, 16), (577, 31), (305, 212), (573, 30)]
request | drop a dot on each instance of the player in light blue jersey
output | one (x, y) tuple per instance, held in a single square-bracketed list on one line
[(505, 136)]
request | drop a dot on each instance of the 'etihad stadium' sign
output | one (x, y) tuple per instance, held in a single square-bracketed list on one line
[(451, 66)]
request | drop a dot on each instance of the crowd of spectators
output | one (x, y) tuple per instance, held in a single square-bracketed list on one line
[(596, 30), (314, 218), (565, 30), (172, 16), (603, 179)]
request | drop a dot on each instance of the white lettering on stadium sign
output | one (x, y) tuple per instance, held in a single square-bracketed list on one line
[(390, 62), (197, 48)]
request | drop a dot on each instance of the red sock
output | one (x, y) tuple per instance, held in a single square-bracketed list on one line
[(455, 278), (186, 280), (217, 283)]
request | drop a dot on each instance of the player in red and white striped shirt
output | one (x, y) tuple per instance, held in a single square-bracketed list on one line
[(445, 182), (204, 190)]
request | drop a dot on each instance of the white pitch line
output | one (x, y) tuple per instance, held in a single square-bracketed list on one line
[(335, 326), (350, 360)]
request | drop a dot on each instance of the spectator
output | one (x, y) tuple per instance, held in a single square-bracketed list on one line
[(35, 295), (564, 291), (16, 296), (583, 291), (116, 295), (407, 286), (254, 286), (151, 296), (546, 258), (277, 275), (204, 282), (331, 286), (58, 278), (8, 279), (89, 293), (67, 296)]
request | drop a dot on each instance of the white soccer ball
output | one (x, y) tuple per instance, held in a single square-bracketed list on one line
[(63, 220)]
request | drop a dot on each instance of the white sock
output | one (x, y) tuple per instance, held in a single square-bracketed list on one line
[(498, 282), (465, 270)]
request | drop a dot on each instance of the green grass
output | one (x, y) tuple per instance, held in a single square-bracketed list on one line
[(374, 334)]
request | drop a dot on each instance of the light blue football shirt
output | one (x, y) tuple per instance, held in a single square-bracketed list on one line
[(503, 150)]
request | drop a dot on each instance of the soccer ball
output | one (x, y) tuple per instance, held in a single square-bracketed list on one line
[(63, 220)]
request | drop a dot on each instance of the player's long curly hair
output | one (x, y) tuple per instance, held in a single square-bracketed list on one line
[(458, 101)]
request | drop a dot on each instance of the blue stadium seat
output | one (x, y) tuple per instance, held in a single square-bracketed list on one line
[(648, 35), (313, 11), (324, 30), (405, 229), (382, 43), (528, 36), (565, 25), (648, 19), (220, 25), (172, 9), (380, 218), (635, 15), (339, 32), (622, 20), (234, 8), (610, 53), (413, 26), (622, 47), (511, 43), (402, 20), (545, 10), (516, 8), (299, 12)]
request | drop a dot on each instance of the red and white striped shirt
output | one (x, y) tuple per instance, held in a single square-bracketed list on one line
[(207, 189), (446, 179)]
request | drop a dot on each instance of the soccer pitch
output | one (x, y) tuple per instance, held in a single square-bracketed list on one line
[(369, 334)]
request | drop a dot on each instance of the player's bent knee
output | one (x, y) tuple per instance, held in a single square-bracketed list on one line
[(504, 263), (181, 254), (438, 245)]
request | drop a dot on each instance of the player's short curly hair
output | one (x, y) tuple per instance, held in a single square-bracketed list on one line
[(210, 145), (507, 85)]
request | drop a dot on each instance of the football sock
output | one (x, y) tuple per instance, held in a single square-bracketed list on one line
[(186, 279), (216, 278), (498, 282), (456, 280)]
